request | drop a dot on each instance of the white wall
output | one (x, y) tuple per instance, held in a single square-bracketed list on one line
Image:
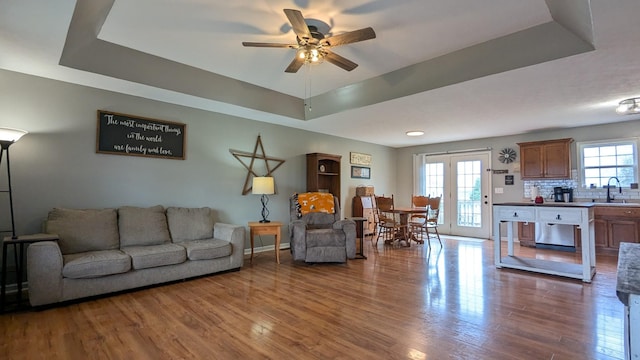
[(56, 164)]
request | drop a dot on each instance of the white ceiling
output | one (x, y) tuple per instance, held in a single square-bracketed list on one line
[(571, 91)]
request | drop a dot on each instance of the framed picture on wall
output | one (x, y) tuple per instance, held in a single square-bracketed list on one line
[(360, 172)]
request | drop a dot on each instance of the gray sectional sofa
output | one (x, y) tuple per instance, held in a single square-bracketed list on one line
[(100, 251)]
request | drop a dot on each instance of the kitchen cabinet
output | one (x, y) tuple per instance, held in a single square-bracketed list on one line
[(550, 159), (323, 173), (616, 224), (526, 234), (365, 206)]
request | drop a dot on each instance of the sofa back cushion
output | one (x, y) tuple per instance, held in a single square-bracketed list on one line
[(84, 230), (190, 223), (142, 226)]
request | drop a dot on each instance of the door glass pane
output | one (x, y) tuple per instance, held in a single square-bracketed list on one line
[(469, 193), (434, 179)]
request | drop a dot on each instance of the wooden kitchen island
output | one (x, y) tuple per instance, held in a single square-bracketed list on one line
[(579, 214)]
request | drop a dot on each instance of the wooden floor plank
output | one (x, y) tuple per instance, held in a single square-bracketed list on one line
[(400, 303)]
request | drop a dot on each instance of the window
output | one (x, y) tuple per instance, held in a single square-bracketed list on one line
[(602, 160)]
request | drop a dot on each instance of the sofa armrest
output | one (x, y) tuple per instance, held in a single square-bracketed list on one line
[(234, 234), (297, 239), (44, 272), (349, 228)]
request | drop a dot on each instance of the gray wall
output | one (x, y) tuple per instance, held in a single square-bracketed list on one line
[(56, 164)]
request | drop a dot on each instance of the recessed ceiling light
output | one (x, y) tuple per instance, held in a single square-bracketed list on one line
[(415, 133)]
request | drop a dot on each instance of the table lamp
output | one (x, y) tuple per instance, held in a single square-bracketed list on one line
[(263, 185), (7, 137)]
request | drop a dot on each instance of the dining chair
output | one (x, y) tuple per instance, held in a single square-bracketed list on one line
[(431, 223), (417, 220), (388, 225)]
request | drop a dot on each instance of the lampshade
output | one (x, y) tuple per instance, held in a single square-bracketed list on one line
[(11, 135), (263, 185)]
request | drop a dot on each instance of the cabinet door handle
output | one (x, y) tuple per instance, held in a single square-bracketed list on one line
[(558, 217), (515, 214)]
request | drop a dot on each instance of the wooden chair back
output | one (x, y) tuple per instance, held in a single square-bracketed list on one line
[(384, 204), (419, 201), (434, 209)]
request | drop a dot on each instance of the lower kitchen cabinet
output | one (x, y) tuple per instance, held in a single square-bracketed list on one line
[(622, 231), (526, 234), (614, 225), (600, 229)]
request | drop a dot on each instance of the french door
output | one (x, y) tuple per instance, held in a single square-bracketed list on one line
[(463, 182)]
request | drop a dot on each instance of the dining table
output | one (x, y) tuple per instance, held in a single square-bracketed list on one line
[(403, 213)]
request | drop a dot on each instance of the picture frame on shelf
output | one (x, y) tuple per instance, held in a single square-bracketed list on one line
[(360, 172)]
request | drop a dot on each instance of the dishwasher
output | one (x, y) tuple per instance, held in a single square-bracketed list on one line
[(555, 236)]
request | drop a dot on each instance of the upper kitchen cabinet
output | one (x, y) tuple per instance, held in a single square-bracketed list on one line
[(550, 159)]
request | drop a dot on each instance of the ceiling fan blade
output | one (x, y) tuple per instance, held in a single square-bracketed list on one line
[(273, 45), (300, 26), (295, 65), (339, 61), (350, 37)]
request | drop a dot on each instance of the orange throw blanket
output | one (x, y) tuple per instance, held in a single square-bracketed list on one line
[(316, 202)]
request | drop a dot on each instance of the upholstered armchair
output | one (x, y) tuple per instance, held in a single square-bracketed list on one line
[(320, 236)]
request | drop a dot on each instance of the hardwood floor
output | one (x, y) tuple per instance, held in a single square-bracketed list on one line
[(401, 303)]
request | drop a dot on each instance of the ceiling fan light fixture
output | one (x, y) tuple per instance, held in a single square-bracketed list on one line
[(629, 106), (313, 46)]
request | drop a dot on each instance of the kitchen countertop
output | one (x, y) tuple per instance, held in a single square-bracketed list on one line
[(617, 204), (571, 204), (549, 204)]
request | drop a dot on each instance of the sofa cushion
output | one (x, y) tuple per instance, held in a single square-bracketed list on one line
[(189, 223), (207, 249), (84, 230), (142, 226), (325, 238), (143, 257), (92, 264)]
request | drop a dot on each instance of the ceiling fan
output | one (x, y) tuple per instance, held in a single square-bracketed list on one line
[(313, 46)]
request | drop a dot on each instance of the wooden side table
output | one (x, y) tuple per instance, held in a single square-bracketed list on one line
[(18, 252), (271, 228), (360, 224)]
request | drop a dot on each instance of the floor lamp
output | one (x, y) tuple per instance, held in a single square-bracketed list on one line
[(7, 137), (263, 185)]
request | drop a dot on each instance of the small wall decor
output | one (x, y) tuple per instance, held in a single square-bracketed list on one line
[(508, 179), (360, 172), (253, 156), (122, 134), (507, 155), (360, 159)]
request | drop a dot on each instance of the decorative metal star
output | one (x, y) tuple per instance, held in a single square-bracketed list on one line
[(253, 156)]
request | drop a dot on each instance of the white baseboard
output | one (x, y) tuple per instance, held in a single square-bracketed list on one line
[(283, 246)]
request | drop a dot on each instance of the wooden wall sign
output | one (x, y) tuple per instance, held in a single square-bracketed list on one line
[(360, 158), (122, 134)]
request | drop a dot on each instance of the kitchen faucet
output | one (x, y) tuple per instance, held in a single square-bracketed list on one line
[(609, 197)]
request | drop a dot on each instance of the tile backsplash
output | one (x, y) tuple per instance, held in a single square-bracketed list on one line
[(579, 193)]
